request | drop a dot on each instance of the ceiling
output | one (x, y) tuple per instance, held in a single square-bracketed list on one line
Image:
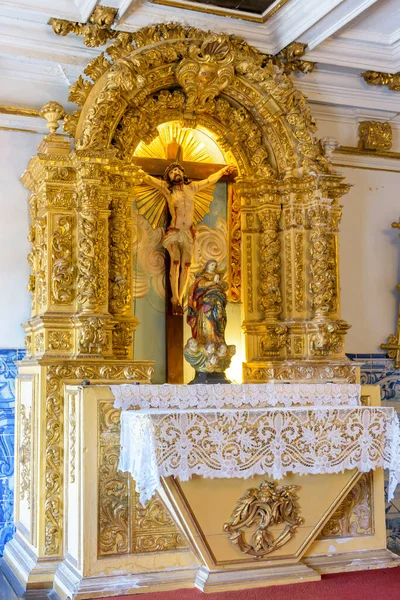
[(344, 37)]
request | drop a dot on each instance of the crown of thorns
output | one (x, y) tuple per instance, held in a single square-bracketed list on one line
[(169, 169)]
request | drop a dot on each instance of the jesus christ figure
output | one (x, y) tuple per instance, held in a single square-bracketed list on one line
[(178, 240)]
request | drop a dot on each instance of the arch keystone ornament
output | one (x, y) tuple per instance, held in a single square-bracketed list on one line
[(266, 506)]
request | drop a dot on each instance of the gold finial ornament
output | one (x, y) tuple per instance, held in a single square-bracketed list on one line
[(266, 506), (52, 112)]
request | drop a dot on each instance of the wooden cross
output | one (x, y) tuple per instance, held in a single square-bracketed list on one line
[(174, 323)]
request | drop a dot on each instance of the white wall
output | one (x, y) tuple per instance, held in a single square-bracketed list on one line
[(370, 258), (16, 148)]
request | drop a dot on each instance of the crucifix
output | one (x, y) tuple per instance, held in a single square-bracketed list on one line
[(177, 203)]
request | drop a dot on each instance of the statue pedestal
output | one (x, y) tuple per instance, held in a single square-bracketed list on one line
[(112, 544)]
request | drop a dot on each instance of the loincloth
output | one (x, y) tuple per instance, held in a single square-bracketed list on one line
[(182, 237)]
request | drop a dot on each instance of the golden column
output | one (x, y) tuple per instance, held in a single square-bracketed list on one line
[(76, 333)]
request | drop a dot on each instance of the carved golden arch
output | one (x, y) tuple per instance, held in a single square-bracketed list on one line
[(287, 189), (287, 213)]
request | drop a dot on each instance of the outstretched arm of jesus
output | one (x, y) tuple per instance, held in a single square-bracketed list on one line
[(158, 184), (204, 183)]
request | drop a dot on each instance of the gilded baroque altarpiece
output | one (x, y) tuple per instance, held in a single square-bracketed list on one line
[(284, 217)]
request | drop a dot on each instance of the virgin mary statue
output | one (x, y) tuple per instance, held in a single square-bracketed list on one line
[(207, 306), (206, 350)]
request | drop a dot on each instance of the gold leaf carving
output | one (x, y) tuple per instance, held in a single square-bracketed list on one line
[(96, 32), (92, 336), (271, 298), (235, 240), (79, 91), (206, 72), (57, 376), (249, 264), (125, 526), (25, 452), (354, 517), (374, 135), (60, 340), (62, 284), (92, 275), (392, 80), (266, 506), (97, 67)]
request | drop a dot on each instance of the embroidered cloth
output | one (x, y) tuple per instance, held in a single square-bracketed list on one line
[(235, 396), (241, 443)]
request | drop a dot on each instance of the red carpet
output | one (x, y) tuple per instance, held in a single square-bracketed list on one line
[(379, 584)]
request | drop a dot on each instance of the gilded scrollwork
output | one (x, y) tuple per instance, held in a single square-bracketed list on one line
[(92, 258), (323, 262), (125, 526), (270, 272), (96, 32), (392, 80), (120, 269), (235, 240), (249, 273), (310, 372), (206, 71), (266, 507), (374, 135), (288, 273), (122, 337), (57, 376), (93, 336), (25, 452), (354, 516), (60, 341), (299, 271), (62, 281), (72, 440)]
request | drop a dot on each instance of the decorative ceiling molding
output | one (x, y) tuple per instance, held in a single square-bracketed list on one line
[(347, 156), (335, 20), (86, 7), (345, 88), (392, 80)]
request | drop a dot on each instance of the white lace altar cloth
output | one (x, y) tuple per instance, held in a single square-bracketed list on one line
[(230, 443), (235, 396)]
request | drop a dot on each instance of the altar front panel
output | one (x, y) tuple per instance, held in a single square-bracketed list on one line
[(178, 540)]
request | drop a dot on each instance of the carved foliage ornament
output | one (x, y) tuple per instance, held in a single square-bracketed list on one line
[(392, 80), (206, 72), (96, 32), (267, 506), (374, 135)]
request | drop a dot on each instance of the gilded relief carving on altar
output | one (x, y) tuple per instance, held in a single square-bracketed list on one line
[(354, 516), (267, 506), (125, 526)]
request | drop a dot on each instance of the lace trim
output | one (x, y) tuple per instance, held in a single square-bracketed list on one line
[(246, 443), (235, 396)]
